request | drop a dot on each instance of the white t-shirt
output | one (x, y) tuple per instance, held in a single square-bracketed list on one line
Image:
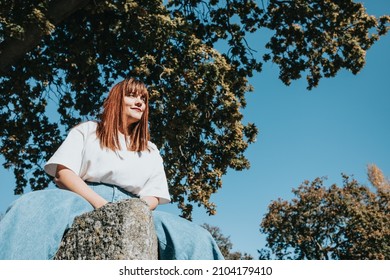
[(140, 173)]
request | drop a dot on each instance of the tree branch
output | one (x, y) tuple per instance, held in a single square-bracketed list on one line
[(12, 49)]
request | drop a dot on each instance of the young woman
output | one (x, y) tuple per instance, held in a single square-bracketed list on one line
[(101, 162)]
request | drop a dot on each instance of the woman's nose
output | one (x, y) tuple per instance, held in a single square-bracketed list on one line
[(138, 102)]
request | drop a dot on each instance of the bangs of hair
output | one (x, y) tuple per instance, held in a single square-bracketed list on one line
[(112, 120), (137, 88)]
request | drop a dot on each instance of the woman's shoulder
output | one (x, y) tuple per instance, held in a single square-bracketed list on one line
[(86, 127), (152, 147), (154, 153), (86, 130)]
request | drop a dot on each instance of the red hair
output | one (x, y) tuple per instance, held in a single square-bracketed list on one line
[(113, 118)]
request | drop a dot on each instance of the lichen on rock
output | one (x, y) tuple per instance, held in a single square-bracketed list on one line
[(122, 230)]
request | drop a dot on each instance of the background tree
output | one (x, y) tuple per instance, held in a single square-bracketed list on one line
[(377, 179), (225, 245), (348, 222), (63, 56)]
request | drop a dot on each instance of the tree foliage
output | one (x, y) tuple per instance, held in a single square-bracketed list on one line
[(64, 55), (348, 222), (319, 38), (225, 245)]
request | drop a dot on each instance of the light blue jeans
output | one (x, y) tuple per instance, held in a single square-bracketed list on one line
[(34, 224)]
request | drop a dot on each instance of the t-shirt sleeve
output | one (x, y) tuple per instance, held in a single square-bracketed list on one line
[(70, 153), (157, 183)]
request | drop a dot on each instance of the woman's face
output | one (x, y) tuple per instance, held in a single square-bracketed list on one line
[(135, 106)]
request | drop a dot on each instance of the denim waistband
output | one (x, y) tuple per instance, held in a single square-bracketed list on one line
[(116, 193)]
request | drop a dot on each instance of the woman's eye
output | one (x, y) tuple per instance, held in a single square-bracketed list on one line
[(133, 95)]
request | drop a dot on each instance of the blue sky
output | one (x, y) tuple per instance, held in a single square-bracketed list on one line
[(341, 126)]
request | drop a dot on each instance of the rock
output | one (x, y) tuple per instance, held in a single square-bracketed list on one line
[(117, 231)]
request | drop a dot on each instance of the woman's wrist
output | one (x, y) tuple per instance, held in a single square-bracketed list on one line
[(67, 179), (99, 202), (152, 201)]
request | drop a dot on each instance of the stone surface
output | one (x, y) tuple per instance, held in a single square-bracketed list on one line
[(117, 231)]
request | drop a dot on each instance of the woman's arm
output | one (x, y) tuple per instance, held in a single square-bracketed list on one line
[(67, 179), (152, 201)]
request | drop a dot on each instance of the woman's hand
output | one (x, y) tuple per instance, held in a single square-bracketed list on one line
[(67, 179), (151, 201)]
